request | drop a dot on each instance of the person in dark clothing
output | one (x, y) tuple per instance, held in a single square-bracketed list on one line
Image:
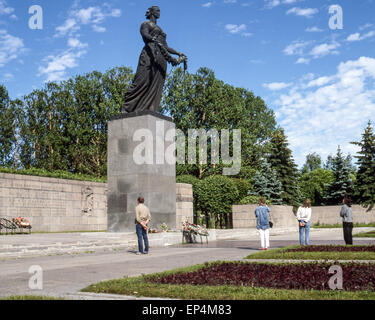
[(347, 220)]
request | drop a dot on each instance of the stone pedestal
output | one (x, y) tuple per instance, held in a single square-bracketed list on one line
[(138, 166)]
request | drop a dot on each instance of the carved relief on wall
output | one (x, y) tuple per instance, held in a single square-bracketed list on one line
[(87, 201)]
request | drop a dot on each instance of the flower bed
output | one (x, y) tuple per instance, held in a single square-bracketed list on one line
[(333, 248), (277, 276)]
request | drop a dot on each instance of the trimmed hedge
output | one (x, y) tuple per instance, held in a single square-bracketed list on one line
[(59, 174)]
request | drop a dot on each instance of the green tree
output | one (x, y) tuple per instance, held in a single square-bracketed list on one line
[(266, 184), (244, 187), (65, 124), (201, 101), (216, 195), (8, 128), (313, 162), (365, 182), (314, 184), (342, 183), (281, 160)]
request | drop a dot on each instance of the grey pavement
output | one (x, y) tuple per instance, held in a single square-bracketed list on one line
[(66, 274)]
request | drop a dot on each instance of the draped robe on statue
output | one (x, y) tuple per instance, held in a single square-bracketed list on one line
[(146, 90)]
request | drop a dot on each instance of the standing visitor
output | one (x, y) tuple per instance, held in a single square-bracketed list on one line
[(262, 213), (143, 217), (304, 217), (347, 220)]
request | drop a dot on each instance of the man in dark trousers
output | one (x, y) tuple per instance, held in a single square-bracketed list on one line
[(347, 220), (143, 217)]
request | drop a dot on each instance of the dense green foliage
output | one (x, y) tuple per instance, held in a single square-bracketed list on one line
[(281, 160), (266, 184), (313, 162), (64, 125), (314, 185), (216, 195), (60, 174), (342, 183), (255, 200), (201, 101), (365, 182)]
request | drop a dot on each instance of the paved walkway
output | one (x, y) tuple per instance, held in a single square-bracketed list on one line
[(65, 275)]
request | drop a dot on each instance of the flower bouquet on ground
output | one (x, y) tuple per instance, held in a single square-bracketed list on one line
[(22, 222), (153, 230), (194, 229)]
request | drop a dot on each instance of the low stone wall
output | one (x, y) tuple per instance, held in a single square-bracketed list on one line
[(184, 204), (244, 217), (56, 205), (331, 215), (283, 216)]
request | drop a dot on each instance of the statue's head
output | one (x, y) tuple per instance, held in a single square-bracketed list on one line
[(153, 11)]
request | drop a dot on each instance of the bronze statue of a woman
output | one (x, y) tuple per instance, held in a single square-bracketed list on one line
[(146, 90)]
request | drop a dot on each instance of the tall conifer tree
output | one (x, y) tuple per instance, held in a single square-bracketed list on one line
[(281, 159), (343, 183), (365, 183)]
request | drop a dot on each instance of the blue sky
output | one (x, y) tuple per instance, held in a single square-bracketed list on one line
[(319, 81)]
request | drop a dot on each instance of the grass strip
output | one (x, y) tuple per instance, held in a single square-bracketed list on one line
[(28, 297), (140, 287), (370, 234), (332, 226), (283, 253)]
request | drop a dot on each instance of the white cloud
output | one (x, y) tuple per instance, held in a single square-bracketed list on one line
[(365, 26), (93, 16), (10, 47), (235, 28), (70, 26), (296, 48), (319, 82), (303, 12), (321, 113), (303, 61), (275, 86), (57, 65), (4, 9), (324, 49), (305, 50), (99, 29), (75, 43), (357, 36), (314, 29), (270, 4), (207, 4)]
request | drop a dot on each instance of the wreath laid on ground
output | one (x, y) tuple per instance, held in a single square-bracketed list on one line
[(22, 222), (194, 229)]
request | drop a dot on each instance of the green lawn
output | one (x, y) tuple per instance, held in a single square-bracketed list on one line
[(28, 297), (370, 234), (331, 226), (140, 287), (283, 254)]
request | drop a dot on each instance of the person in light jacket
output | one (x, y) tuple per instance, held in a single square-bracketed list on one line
[(262, 213), (142, 218), (347, 220), (304, 217)]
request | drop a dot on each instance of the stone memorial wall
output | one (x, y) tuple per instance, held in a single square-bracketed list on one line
[(57, 205)]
